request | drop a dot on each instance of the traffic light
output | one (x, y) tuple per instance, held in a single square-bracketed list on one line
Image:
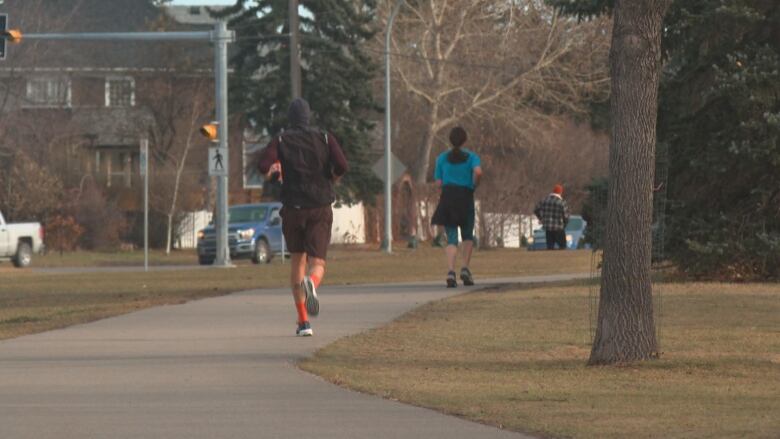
[(209, 131), (12, 35)]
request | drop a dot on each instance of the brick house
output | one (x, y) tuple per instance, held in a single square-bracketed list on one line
[(83, 107)]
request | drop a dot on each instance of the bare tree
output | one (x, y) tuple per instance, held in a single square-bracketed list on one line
[(626, 326), (478, 59), (179, 105)]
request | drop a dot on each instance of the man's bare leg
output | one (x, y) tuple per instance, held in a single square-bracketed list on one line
[(297, 272), (316, 270), (310, 284)]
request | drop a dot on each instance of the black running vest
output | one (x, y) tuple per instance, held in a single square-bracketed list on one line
[(307, 169)]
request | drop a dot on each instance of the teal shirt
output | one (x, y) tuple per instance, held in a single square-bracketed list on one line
[(461, 174)]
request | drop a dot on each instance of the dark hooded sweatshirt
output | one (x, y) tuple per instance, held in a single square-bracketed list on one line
[(308, 162)]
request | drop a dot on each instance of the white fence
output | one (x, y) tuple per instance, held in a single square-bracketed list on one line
[(349, 225), (187, 235), (508, 229)]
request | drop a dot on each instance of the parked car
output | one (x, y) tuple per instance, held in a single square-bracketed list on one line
[(254, 231), (18, 242), (575, 232)]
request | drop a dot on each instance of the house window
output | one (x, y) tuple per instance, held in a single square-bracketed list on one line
[(119, 169), (120, 92), (48, 92)]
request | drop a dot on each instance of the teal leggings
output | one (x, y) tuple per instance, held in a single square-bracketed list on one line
[(466, 233)]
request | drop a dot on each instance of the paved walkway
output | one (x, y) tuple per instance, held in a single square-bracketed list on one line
[(214, 368)]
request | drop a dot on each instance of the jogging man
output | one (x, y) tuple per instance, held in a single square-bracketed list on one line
[(553, 213), (457, 173), (311, 163)]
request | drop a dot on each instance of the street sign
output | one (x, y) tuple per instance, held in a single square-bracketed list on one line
[(218, 162), (3, 27), (380, 168), (143, 158)]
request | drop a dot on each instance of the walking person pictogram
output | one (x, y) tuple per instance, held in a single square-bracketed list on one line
[(218, 161)]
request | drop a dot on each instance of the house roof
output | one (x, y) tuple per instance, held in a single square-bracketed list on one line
[(111, 127), (80, 16)]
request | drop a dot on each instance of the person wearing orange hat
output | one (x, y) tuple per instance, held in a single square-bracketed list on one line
[(553, 213)]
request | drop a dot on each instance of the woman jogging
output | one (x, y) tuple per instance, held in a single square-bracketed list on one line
[(457, 173)]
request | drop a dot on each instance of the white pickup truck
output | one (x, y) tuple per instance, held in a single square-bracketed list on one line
[(18, 242)]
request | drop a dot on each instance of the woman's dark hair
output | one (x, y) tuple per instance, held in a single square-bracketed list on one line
[(457, 139)]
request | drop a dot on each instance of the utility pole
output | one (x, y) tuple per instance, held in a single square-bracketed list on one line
[(144, 161), (295, 57), (221, 38), (387, 242)]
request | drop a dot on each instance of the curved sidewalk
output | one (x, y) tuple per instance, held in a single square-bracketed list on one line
[(214, 368)]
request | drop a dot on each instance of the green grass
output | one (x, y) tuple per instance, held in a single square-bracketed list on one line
[(517, 359), (32, 301)]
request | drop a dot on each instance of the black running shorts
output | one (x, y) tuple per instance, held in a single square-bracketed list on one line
[(307, 230)]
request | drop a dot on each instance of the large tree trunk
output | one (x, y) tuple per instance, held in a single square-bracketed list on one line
[(626, 328)]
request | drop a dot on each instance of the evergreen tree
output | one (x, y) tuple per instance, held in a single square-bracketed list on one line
[(335, 74), (720, 116)]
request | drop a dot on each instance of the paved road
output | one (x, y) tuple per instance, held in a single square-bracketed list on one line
[(214, 368)]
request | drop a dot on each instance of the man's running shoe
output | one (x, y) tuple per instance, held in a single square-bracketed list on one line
[(312, 303), (465, 276), (304, 330), (451, 282)]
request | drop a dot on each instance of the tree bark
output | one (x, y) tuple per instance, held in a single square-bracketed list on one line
[(423, 162), (626, 328)]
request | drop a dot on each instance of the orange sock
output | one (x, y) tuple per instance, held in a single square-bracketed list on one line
[(302, 316), (316, 279)]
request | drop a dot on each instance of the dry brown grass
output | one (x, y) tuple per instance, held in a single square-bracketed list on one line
[(517, 359), (54, 259), (33, 302)]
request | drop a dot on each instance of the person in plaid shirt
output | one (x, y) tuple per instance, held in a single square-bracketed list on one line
[(553, 213)]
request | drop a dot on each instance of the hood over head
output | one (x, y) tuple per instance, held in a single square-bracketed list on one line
[(299, 113)]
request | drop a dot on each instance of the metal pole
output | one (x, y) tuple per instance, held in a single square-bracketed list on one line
[(295, 58), (221, 37), (145, 154), (388, 240), (125, 36)]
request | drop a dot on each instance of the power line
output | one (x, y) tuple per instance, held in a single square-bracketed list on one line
[(414, 57)]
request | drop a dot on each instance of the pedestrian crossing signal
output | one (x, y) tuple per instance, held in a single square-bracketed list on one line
[(3, 25), (12, 35), (209, 131)]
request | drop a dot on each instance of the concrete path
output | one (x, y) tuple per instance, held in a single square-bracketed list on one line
[(214, 368)]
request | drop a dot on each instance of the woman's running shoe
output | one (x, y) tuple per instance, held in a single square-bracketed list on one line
[(465, 276), (451, 282)]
